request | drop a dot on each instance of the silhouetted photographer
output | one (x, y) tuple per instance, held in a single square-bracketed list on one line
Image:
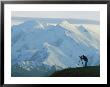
[(85, 59)]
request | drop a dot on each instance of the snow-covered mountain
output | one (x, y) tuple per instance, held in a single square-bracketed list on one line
[(54, 47)]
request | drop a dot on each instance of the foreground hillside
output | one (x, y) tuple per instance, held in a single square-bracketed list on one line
[(90, 71)]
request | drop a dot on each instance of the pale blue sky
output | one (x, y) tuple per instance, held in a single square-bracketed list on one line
[(90, 15)]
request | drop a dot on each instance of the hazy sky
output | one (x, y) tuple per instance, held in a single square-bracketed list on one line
[(91, 15)]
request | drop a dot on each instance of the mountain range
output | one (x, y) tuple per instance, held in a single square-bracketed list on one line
[(40, 49)]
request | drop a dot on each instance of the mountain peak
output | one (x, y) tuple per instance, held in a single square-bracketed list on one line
[(30, 24), (65, 22), (67, 25)]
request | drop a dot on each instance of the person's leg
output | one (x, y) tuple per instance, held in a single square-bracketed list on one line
[(85, 63)]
